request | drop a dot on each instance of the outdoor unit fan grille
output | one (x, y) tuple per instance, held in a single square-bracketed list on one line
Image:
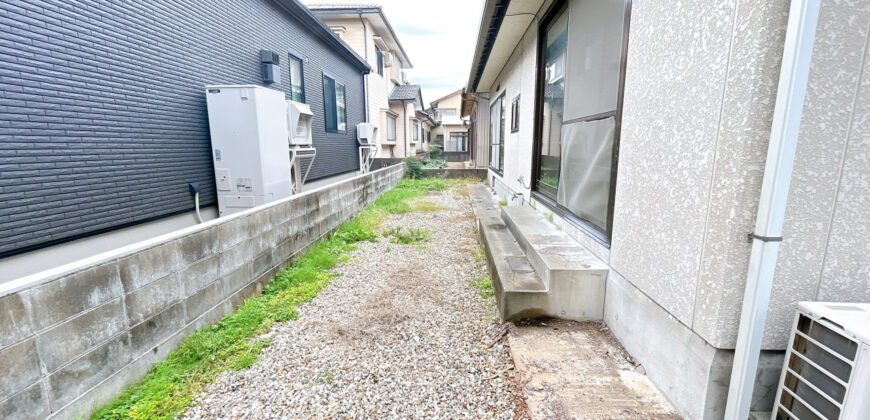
[(818, 370)]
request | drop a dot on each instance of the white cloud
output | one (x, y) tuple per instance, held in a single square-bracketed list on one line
[(439, 37)]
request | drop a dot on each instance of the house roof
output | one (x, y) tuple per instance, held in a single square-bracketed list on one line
[(425, 116), (449, 95), (502, 25), (402, 93), (354, 10), (296, 9)]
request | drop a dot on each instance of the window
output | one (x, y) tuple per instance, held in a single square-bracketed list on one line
[(496, 134), (416, 131), (458, 142), (515, 115), (391, 128), (446, 113), (334, 105), (580, 107), (380, 58), (297, 84)]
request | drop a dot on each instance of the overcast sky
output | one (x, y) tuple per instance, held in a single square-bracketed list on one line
[(439, 37)]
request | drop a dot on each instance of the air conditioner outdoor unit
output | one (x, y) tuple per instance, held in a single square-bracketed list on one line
[(388, 59), (299, 118), (367, 134), (826, 373)]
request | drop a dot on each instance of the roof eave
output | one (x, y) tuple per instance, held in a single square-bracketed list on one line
[(490, 22), (377, 10)]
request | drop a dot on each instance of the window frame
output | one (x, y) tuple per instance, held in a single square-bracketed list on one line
[(295, 57), (380, 60), (334, 113), (463, 136), (603, 236), (515, 114), (390, 124), (500, 170)]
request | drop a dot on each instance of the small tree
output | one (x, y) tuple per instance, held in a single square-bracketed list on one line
[(435, 151), (413, 168)]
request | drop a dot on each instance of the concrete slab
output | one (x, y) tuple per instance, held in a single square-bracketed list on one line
[(578, 370)]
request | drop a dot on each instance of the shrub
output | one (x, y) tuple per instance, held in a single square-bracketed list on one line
[(413, 168), (435, 151)]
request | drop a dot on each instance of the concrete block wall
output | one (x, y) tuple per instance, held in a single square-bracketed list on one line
[(71, 339)]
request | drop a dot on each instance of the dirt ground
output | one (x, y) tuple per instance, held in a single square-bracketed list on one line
[(578, 370)]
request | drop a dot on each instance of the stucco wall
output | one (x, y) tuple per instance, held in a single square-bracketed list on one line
[(699, 96), (698, 104), (72, 338)]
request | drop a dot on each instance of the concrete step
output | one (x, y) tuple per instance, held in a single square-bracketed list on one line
[(574, 277), (519, 292)]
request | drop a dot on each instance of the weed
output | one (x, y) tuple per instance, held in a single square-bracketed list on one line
[(172, 384), (404, 236), (426, 206), (549, 217), (484, 287), (479, 255), (502, 203)]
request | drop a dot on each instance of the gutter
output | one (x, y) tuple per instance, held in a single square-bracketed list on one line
[(794, 74), (490, 22)]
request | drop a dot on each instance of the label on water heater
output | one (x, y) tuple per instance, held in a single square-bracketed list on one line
[(244, 185), (217, 155)]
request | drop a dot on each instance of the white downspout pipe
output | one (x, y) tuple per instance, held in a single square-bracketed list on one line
[(790, 95)]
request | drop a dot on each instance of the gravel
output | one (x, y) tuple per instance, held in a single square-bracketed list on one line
[(400, 333)]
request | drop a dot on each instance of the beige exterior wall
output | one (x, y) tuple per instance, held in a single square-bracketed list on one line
[(699, 96), (360, 37)]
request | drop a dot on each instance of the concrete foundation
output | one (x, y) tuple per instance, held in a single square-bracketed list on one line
[(73, 337)]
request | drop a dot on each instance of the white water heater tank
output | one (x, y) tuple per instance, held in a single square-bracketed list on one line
[(249, 132)]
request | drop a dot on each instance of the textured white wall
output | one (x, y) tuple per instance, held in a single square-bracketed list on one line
[(699, 95)]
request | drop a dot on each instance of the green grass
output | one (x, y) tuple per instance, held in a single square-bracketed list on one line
[(484, 287), (231, 344)]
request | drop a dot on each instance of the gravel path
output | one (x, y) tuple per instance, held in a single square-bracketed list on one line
[(399, 334)]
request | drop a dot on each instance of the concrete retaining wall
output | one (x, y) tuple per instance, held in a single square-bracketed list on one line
[(72, 338), (455, 173)]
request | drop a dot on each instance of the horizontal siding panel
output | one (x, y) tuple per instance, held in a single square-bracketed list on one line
[(104, 120)]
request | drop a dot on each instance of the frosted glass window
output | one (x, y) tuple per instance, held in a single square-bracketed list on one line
[(593, 58), (341, 107), (391, 128), (584, 181), (582, 46)]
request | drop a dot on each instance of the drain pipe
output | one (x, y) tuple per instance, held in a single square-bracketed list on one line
[(790, 94)]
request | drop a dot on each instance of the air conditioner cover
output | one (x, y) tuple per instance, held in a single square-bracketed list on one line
[(299, 119), (367, 133), (826, 372)]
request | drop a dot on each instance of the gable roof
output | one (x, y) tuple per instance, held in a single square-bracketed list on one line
[(447, 96), (344, 10), (401, 93), (297, 10)]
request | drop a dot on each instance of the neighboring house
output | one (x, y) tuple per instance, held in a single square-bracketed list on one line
[(103, 118), (403, 127), (365, 28), (451, 133), (644, 134), (426, 125)]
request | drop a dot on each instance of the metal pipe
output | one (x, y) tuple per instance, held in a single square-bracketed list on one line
[(788, 110)]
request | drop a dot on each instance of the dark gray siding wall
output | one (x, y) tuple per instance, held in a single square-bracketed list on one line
[(103, 117)]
